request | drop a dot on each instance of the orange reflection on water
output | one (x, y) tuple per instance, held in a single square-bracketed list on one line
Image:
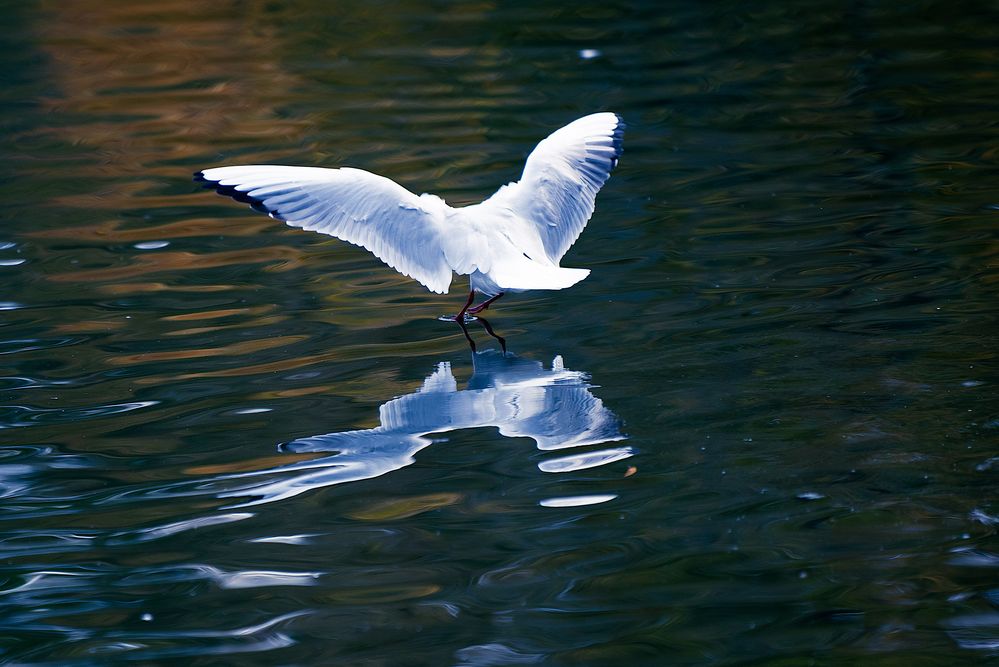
[(258, 463), (259, 322), (160, 81), (393, 509), (340, 354), (89, 326), (216, 314), (292, 392), (139, 288), (245, 347), (284, 258), (114, 230)]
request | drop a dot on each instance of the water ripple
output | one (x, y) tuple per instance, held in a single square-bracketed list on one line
[(976, 632), (14, 416), (170, 529), (18, 346), (223, 579), (36, 542), (792, 295)]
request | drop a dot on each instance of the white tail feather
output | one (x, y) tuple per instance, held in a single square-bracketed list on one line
[(528, 275)]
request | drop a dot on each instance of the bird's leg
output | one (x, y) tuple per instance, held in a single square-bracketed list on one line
[(464, 330), (489, 330), (460, 317), (485, 304)]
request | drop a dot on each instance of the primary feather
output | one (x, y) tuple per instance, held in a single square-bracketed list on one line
[(512, 241), (558, 189)]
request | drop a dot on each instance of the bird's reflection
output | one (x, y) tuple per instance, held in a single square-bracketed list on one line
[(484, 323), (520, 397)]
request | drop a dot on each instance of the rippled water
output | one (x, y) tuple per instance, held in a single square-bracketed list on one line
[(763, 431)]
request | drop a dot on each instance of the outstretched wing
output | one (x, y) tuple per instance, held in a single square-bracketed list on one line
[(562, 177), (401, 229)]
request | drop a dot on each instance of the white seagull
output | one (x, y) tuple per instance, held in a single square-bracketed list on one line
[(511, 242)]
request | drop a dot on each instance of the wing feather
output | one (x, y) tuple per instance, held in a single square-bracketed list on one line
[(561, 178), (402, 229)]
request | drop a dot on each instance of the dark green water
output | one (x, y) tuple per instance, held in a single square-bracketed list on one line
[(762, 432)]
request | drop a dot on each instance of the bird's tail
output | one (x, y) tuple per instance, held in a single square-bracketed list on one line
[(531, 275)]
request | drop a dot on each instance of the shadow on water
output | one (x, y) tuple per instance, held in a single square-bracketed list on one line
[(519, 397)]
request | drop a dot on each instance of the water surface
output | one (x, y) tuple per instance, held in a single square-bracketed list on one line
[(762, 432)]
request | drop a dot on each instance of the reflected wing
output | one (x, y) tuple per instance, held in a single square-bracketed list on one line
[(400, 228), (562, 177)]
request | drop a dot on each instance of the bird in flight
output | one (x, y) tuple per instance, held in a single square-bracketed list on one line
[(511, 242)]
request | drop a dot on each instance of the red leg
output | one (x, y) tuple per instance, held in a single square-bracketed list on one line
[(485, 304), (460, 317), (464, 330)]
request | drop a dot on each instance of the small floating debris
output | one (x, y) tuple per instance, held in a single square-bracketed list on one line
[(251, 411), (12, 262), (589, 54), (810, 495), (151, 245), (972, 383)]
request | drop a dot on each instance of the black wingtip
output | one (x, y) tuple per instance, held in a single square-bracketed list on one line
[(236, 195), (618, 138)]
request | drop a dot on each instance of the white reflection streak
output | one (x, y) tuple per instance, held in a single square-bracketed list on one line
[(519, 397), (49, 580), (166, 530), (262, 578), (222, 578), (263, 636), (577, 501)]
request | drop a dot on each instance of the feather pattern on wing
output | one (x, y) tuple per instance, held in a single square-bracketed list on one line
[(562, 177), (402, 229)]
